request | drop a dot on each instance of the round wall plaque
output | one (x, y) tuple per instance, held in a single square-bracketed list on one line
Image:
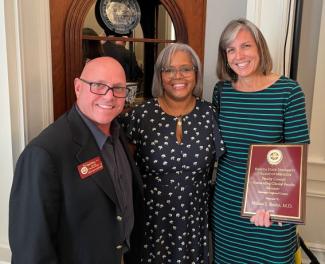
[(120, 16)]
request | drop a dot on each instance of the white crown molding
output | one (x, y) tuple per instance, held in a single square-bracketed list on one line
[(316, 161), (5, 254), (316, 170), (313, 194), (316, 180), (316, 247)]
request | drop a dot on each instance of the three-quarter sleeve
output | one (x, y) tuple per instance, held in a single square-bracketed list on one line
[(295, 121)]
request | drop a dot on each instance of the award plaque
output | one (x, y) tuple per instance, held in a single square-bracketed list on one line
[(276, 182), (120, 16)]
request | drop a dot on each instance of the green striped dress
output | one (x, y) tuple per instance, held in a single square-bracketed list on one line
[(273, 115)]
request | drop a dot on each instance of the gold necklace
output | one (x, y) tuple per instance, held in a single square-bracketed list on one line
[(179, 120), (179, 117)]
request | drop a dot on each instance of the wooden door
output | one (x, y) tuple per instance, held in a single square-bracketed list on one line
[(67, 16)]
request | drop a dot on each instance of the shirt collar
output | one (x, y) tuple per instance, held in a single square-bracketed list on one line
[(99, 136)]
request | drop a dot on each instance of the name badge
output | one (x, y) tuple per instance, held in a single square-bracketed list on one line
[(90, 167)]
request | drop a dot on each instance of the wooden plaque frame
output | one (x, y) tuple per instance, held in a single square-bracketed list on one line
[(276, 181)]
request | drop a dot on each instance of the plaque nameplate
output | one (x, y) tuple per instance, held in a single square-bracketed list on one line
[(276, 181)]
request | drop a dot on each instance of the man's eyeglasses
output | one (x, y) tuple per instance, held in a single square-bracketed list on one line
[(185, 71), (102, 89)]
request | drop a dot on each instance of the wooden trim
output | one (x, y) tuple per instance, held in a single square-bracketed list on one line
[(73, 38), (203, 35), (194, 16), (89, 37), (178, 20), (73, 44)]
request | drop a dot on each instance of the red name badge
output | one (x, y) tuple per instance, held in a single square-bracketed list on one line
[(90, 167)]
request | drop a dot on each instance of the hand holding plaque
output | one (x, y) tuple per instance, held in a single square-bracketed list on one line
[(276, 182)]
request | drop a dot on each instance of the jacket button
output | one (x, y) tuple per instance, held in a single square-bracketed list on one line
[(119, 247), (119, 218)]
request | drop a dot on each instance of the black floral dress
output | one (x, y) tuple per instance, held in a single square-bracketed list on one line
[(176, 179)]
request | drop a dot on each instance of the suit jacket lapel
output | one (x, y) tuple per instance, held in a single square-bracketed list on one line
[(89, 150)]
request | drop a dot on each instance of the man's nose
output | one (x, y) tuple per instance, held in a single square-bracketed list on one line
[(109, 93)]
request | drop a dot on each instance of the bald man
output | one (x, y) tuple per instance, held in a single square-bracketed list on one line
[(76, 196)]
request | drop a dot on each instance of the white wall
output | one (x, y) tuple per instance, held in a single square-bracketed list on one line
[(218, 14), (311, 17), (6, 162)]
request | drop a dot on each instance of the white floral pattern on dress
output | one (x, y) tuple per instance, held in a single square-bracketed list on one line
[(175, 176)]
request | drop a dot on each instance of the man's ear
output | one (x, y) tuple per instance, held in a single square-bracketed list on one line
[(77, 87)]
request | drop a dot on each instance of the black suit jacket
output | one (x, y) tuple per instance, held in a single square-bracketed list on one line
[(57, 217)]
